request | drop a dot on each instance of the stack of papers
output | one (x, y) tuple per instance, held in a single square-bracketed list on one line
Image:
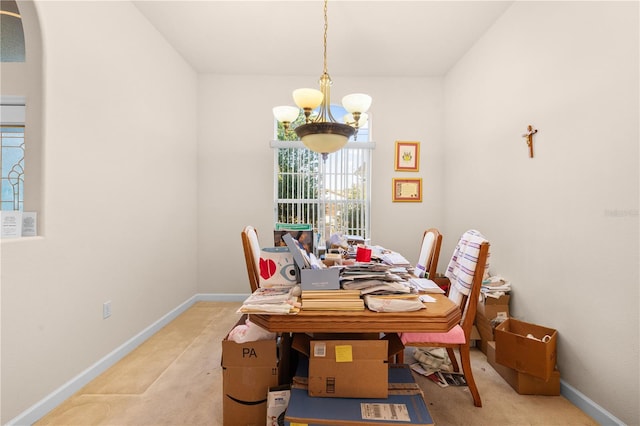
[(495, 287), (271, 301), (332, 300), (375, 278), (424, 285), (395, 259)]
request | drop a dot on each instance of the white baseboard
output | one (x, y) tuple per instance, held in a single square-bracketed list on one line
[(51, 401)]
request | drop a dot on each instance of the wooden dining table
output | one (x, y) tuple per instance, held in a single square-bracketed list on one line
[(437, 317)]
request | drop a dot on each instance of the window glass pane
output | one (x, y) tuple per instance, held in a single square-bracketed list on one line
[(12, 167)]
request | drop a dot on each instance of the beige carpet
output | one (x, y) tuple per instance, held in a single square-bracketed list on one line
[(175, 378)]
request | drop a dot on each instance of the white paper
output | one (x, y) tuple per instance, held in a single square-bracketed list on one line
[(426, 298), (29, 224), (382, 411), (425, 285), (11, 224)]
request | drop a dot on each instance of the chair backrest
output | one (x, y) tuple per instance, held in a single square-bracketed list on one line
[(429, 253), (469, 303), (251, 247)]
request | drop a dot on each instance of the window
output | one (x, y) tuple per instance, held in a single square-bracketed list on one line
[(12, 113), (12, 160), (301, 178), (21, 139)]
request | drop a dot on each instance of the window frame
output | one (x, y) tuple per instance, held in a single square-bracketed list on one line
[(331, 202)]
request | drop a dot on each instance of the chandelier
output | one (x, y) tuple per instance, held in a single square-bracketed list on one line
[(322, 133)]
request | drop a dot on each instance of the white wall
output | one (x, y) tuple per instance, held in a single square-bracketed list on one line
[(563, 225), (120, 196), (235, 164)]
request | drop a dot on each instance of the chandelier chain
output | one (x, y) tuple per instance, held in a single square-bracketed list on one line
[(326, 26)]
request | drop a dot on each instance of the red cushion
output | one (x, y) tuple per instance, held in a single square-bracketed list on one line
[(454, 336)]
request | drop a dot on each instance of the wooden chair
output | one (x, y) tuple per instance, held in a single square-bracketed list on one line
[(429, 253), (460, 336), (251, 247)]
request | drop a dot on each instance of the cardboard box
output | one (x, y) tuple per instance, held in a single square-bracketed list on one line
[(320, 279), (522, 383), (348, 368), (526, 355), (491, 307), (485, 328), (345, 368), (404, 405), (248, 371), (301, 342)]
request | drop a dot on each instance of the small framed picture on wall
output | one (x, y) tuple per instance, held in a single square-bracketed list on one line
[(407, 156), (407, 190)]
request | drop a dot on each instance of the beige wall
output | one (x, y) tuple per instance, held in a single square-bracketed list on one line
[(563, 225), (120, 196), (238, 154)]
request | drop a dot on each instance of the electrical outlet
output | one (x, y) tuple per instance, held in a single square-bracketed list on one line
[(106, 309)]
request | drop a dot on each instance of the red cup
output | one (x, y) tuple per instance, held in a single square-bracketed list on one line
[(363, 254)]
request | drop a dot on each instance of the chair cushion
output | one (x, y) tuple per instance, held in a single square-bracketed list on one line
[(455, 336)]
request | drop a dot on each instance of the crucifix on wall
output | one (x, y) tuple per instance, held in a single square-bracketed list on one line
[(529, 136)]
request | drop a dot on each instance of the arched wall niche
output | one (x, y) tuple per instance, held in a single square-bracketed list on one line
[(24, 80)]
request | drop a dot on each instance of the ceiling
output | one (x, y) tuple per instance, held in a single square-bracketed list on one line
[(372, 38)]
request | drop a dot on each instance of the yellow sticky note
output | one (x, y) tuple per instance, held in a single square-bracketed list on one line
[(344, 353), (298, 424)]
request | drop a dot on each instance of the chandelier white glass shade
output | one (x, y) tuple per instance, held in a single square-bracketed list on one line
[(322, 133), (286, 115)]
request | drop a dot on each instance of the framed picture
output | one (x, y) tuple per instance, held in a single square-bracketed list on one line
[(407, 156), (407, 190)]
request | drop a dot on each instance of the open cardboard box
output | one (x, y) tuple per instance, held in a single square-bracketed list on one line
[(248, 371), (524, 384), (491, 307), (526, 355)]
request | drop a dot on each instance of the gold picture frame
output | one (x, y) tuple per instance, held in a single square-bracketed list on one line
[(407, 190), (407, 156)]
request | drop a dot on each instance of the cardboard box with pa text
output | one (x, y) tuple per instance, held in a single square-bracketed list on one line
[(524, 384), (248, 371), (527, 348)]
